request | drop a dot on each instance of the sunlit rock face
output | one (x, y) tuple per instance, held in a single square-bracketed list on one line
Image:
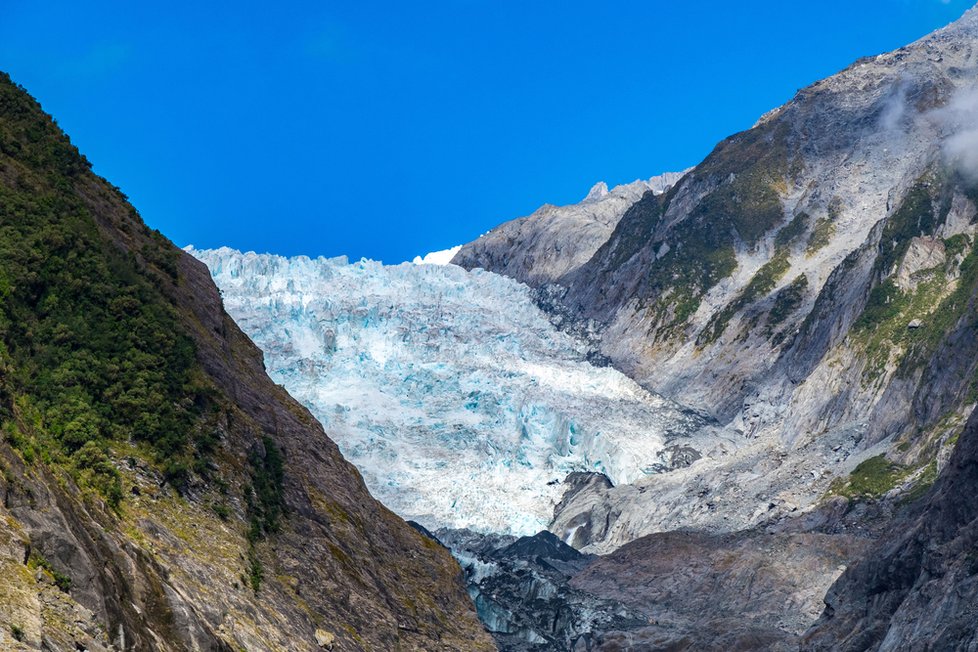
[(450, 390)]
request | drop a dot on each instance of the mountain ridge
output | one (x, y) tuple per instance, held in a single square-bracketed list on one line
[(746, 287), (810, 285), (159, 491)]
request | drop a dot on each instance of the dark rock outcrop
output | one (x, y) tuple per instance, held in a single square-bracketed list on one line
[(521, 588), (917, 589)]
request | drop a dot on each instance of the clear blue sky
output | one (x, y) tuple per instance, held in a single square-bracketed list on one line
[(389, 129)]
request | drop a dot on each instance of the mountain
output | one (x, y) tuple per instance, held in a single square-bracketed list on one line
[(915, 588), (556, 240), (159, 491), (803, 297), (809, 285), (779, 455), (451, 391), (812, 286)]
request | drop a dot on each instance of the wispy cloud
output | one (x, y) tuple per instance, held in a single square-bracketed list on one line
[(895, 108), (959, 120)]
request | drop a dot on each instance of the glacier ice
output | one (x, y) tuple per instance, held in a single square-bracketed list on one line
[(450, 390)]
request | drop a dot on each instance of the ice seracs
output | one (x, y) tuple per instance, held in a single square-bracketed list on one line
[(450, 390)]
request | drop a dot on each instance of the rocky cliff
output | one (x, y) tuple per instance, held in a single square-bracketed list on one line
[(556, 240), (916, 588), (159, 492), (808, 285), (811, 285)]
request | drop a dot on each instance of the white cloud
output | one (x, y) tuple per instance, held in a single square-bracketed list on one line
[(958, 121), (443, 257)]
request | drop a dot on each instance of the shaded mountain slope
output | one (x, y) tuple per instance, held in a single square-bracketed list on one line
[(159, 491), (917, 588), (744, 591)]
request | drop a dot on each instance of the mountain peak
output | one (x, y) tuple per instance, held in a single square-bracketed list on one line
[(598, 190)]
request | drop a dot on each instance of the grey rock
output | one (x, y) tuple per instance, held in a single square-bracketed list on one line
[(556, 240), (915, 589), (854, 186)]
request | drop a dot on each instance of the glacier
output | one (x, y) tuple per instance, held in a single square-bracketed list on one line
[(451, 391)]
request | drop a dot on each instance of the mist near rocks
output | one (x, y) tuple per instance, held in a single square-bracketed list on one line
[(955, 124), (960, 119)]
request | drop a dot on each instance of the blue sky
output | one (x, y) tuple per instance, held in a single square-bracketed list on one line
[(389, 129)]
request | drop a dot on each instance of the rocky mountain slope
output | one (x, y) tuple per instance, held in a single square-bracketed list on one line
[(159, 492), (809, 285), (915, 589), (556, 240)]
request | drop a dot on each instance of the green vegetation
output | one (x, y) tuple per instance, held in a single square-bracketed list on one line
[(820, 236), (754, 166), (766, 277), (956, 245), (697, 259), (882, 327), (748, 173), (916, 216), (787, 301), (926, 480), (256, 572), (62, 581), (951, 310), (792, 231), (877, 476), (17, 632), (95, 469), (266, 502), (634, 228), (91, 346), (265, 498), (683, 275), (886, 301), (223, 511), (761, 284), (871, 479)]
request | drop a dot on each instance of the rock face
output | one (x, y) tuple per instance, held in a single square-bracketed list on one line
[(684, 590), (695, 591), (142, 509), (924, 255), (774, 285), (521, 589), (556, 240), (915, 589), (811, 285)]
